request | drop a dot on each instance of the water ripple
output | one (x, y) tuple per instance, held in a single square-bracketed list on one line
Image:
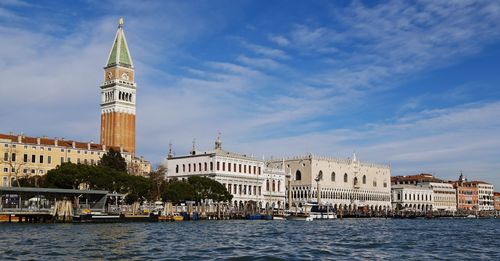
[(348, 239)]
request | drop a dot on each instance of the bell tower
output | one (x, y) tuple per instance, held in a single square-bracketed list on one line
[(118, 98)]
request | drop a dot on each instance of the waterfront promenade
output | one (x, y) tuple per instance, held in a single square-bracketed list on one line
[(347, 239)]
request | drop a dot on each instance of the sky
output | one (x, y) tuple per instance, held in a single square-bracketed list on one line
[(413, 84)]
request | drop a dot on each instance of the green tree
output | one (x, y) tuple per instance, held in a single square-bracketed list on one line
[(177, 191), (113, 159), (207, 188)]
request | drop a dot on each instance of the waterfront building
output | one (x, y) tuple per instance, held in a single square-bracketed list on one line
[(347, 184), (416, 198), (473, 195), (23, 156), (496, 202), (245, 177), (443, 194), (118, 96)]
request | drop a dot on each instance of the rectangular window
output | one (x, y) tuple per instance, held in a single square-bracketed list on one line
[(41, 158), (62, 160), (229, 167), (69, 159), (41, 171), (92, 161), (218, 165), (33, 171), (78, 160), (5, 170), (49, 149), (25, 171), (33, 158), (13, 157), (62, 150), (49, 159), (6, 156), (25, 158), (223, 166)]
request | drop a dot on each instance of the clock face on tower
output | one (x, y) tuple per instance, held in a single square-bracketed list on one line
[(110, 75), (125, 76)]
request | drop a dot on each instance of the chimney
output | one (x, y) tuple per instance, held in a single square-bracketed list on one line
[(73, 144), (19, 139), (38, 141), (103, 147), (56, 142), (88, 146)]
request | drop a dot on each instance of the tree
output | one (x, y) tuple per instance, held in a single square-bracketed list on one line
[(113, 159), (158, 183), (177, 191), (207, 188)]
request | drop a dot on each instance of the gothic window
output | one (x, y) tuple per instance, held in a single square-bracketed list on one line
[(267, 185), (223, 166), (385, 184), (333, 177), (274, 186), (364, 179), (279, 185), (211, 166), (194, 167), (177, 169), (374, 183), (298, 175), (320, 175), (355, 181), (205, 166), (183, 167), (229, 167), (345, 178), (199, 166)]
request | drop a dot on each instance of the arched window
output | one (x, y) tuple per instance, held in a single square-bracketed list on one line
[(279, 185), (345, 177), (333, 177), (355, 181), (320, 175), (298, 175), (267, 185), (177, 169), (374, 183), (385, 184), (189, 167), (229, 167), (218, 165), (183, 167), (199, 166), (223, 166), (211, 166), (205, 166), (364, 179), (274, 186)]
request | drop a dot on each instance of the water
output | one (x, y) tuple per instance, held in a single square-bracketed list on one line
[(348, 239)]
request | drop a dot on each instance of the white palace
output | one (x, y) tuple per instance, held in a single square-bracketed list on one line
[(246, 178), (347, 184)]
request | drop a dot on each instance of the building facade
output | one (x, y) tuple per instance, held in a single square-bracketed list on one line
[(246, 178), (414, 198), (118, 96), (473, 195), (23, 156), (496, 202), (443, 194), (347, 184)]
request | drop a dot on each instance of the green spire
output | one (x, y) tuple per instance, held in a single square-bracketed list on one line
[(119, 54)]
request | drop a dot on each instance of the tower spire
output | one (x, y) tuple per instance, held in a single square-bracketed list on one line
[(120, 22)]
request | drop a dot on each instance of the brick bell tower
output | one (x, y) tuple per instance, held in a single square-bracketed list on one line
[(118, 98)]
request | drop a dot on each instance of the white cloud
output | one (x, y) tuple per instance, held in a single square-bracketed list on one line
[(279, 39)]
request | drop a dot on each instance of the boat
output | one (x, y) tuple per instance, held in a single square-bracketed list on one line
[(300, 217), (177, 217), (321, 212)]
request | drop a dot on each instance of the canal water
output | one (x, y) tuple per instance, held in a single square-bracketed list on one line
[(347, 239)]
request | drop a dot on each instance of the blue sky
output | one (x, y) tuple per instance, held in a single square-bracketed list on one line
[(409, 83)]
